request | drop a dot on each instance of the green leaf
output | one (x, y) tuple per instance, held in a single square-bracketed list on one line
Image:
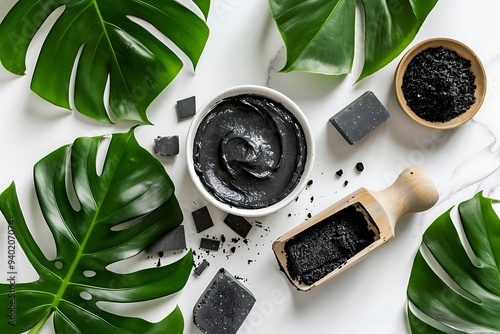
[(96, 219), (322, 41), (466, 298), (106, 45)]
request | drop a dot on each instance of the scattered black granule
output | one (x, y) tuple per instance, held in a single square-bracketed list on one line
[(310, 182), (235, 240), (250, 261), (158, 264), (346, 183), (339, 173), (240, 278), (222, 238), (245, 241), (438, 85), (296, 198), (233, 249), (289, 215), (309, 215), (160, 254), (360, 167), (320, 249)]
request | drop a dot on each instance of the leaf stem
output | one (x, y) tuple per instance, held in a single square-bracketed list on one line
[(42, 322)]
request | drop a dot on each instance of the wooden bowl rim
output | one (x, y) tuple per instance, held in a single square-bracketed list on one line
[(476, 68)]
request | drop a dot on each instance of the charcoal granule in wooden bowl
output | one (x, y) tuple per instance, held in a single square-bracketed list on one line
[(438, 84)]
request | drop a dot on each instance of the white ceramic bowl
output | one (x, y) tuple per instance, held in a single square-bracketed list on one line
[(287, 103)]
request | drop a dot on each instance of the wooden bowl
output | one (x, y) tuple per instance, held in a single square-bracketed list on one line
[(476, 68)]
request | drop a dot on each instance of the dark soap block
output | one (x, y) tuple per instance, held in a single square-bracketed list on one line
[(201, 267), (224, 305), (209, 244), (172, 240), (186, 108), (202, 219), (238, 224), (167, 146), (360, 117)]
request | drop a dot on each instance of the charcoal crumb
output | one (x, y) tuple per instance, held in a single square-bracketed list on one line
[(240, 278), (309, 215), (360, 167), (222, 238), (339, 173), (310, 182), (346, 183), (233, 249), (199, 269)]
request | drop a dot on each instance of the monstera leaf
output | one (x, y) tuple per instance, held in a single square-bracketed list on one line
[(319, 35), (96, 218), (452, 290), (107, 45)]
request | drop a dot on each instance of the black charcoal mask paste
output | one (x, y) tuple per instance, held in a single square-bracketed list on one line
[(249, 151)]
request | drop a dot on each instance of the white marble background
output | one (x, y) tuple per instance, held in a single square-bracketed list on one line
[(245, 48)]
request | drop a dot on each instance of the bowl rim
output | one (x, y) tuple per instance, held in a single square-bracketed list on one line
[(477, 69), (276, 96)]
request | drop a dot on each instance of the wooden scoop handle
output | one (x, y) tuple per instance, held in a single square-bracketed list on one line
[(413, 191)]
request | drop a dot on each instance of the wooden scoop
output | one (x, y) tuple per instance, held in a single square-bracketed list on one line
[(413, 191)]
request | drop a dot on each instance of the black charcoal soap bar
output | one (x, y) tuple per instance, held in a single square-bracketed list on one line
[(360, 117), (167, 146), (224, 305), (201, 267), (202, 219), (186, 108), (238, 224), (209, 244), (173, 240)]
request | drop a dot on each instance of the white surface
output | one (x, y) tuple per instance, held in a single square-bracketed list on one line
[(245, 48)]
